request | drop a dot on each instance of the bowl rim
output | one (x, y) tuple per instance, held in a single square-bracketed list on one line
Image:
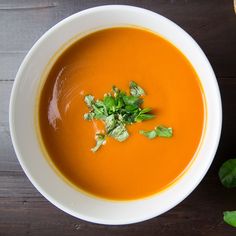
[(13, 98)]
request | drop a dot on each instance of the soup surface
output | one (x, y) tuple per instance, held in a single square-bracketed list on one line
[(137, 167)]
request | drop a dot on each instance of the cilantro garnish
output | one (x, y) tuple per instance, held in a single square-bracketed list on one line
[(117, 110), (160, 131)]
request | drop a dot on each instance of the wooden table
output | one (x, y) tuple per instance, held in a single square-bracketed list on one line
[(23, 211)]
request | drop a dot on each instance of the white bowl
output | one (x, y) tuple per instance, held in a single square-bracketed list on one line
[(23, 127)]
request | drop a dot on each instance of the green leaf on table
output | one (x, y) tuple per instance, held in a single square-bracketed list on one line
[(227, 173), (230, 217)]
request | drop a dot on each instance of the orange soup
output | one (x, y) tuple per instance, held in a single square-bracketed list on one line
[(137, 167)]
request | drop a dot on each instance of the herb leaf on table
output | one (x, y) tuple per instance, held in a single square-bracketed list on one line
[(230, 218), (227, 175)]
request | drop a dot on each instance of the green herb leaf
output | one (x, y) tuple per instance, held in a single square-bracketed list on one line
[(131, 108), (100, 138), (135, 90), (164, 132), (132, 100), (142, 117), (89, 100), (99, 112), (230, 218), (117, 110), (145, 110), (89, 116), (119, 103), (160, 131), (150, 134), (110, 123), (115, 90), (119, 133), (110, 103), (100, 104), (227, 173), (98, 108)]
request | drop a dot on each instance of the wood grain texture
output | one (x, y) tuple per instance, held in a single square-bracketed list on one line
[(23, 211), (211, 23)]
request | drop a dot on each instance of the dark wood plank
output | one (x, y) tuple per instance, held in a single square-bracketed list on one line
[(25, 211), (211, 23)]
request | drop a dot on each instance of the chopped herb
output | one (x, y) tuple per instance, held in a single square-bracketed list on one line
[(150, 134), (160, 131), (99, 109), (119, 133), (117, 110), (145, 110), (132, 100), (143, 115), (89, 116), (100, 138), (136, 90), (89, 100), (164, 132), (110, 103), (110, 123)]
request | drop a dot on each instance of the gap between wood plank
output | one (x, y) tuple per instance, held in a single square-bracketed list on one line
[(7, 80), (28, 6)]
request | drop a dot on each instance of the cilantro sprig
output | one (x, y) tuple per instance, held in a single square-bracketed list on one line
[(160, 131), (117, 110)]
